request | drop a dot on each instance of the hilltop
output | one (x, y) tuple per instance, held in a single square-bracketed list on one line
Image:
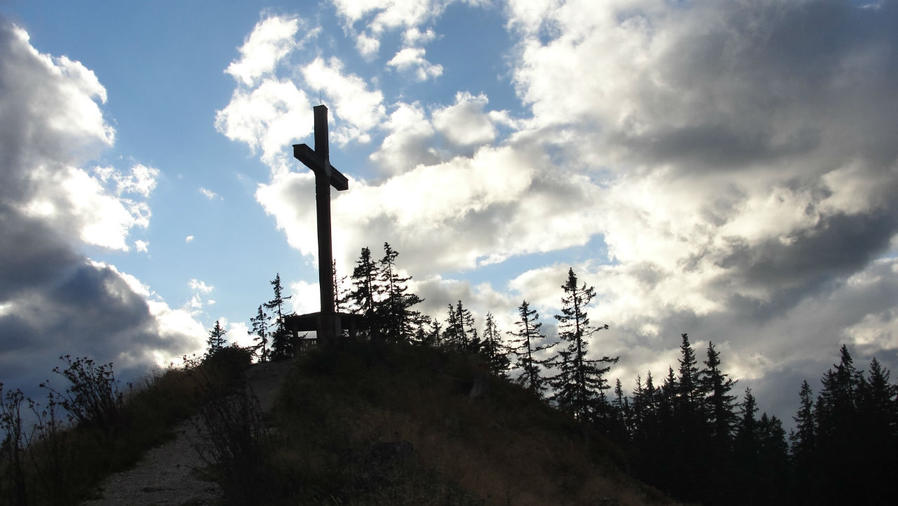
[(361, 423)]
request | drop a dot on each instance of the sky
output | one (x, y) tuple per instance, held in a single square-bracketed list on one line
[(726, 169)]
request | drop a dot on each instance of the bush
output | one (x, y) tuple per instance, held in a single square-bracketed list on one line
[(93, 397)]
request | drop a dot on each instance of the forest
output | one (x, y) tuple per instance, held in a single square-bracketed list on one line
[(691, 433)]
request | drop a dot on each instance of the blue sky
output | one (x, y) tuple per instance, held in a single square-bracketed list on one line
[(718, 168)]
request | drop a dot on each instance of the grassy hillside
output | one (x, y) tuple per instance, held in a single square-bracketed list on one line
[(378, 424)]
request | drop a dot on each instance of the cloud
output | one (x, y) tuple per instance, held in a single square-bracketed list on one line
[(189, 239), (200, 286), (360, 108), (142, 246), (739, 173), (465, 123), (392, 14), (412, 58), (267, 118), (744, 171), (209, 194), (272, 40), (409, 141), (55, 300)]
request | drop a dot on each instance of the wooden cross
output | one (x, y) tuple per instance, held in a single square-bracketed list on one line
[(327, 322)]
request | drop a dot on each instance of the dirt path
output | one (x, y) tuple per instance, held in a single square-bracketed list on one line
[(171, 474)]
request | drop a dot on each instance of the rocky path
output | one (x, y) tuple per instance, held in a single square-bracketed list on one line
[(171, 474)]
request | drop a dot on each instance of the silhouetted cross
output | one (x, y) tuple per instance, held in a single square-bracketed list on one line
[(326, 175)]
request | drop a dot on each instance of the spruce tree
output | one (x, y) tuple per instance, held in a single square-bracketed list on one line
[(493, 350), (528, 343), (399, 321), (716, 386), (216, 340), (580, 384), (460, 331), (364, 290), (804, 449), (689, 388), (282, 346), (259, 329)]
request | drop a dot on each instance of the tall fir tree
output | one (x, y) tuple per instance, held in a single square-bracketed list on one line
[(493, 350), (716, 386), (527, 344), (460, 331), (395, 312), (216, 340), (259, 329), (282, 345), (580, 383), (364, 290), (691, 448)]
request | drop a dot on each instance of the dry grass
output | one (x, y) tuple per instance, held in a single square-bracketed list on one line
[(500, 447)]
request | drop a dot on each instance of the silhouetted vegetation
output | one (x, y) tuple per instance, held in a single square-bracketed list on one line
[(414, 412), (91, 428)]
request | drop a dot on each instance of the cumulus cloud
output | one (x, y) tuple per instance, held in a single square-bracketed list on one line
[(380, 17), (745, 167), (267, 118), (465, 122), (359, 108), (54, 300), (272, 39), (412, 59)]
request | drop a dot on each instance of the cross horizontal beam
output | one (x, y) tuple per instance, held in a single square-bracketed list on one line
[(312, 160)]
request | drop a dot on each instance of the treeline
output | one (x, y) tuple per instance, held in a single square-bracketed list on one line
[(691, 436)]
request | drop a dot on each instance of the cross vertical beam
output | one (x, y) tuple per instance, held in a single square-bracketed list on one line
[(325, 241), (326, 176)]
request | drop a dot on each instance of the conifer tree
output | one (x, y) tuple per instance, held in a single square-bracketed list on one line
[(395, 313), (622, 420), (216, 340), (434, 334), (452, 336), (527, 342), (493, 350), (259, 328), (772, 461), (580, 384), (460, 331), (364, 290), (282, 345), (689, 388), (716, 387)]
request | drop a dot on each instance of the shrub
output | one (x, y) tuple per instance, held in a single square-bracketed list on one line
[(93, 397)]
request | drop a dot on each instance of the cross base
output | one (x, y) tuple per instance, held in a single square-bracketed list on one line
[(318, 322)]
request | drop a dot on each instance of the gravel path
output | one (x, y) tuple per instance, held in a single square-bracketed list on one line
[(171, 474)]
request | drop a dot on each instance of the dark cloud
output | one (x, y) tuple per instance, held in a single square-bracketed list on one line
[(53, 299)]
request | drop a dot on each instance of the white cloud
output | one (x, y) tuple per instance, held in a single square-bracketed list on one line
[(268, 117), (306, 297), (414, 36), (200, 286), (360, 108), (209, 194), (409, 140), (272, 40), (367, 46), (189, 239), (412, 58), (465, 122), (142, 246)]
